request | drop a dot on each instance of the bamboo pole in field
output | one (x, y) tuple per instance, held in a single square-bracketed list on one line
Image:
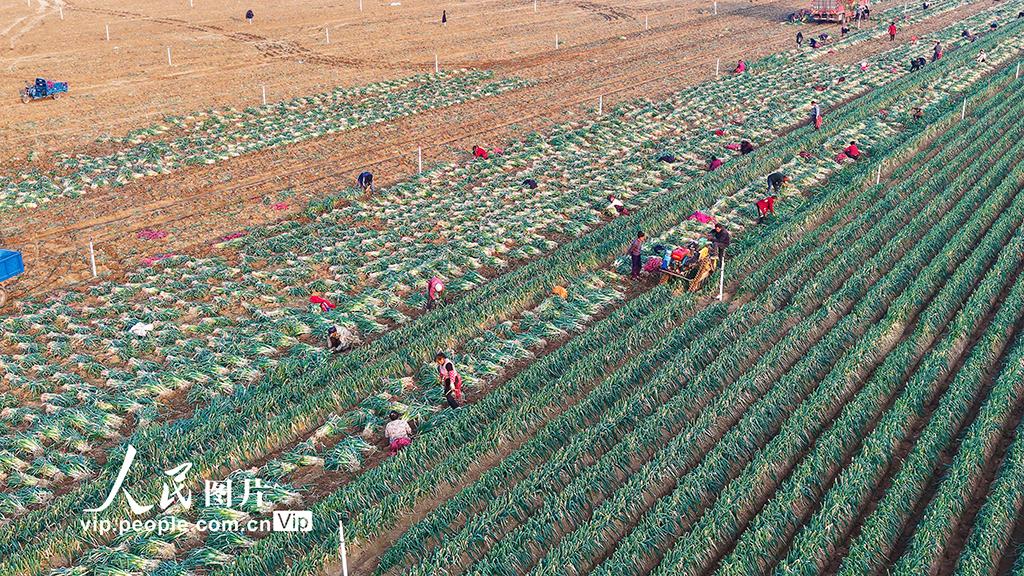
[(721, 278), (169, 56), (718, 63), (600, 104), (108, 32), (344, 559), (92, 259), (436, 68), (328, 32), (264, 88)]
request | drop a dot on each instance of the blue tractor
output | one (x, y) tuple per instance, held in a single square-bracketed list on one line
[(43, 88)]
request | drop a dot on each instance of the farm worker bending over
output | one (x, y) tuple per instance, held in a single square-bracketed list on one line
[(634, 253), (366, 181), (715, 164), (450, 379), (615, 206), (397, 432), (775, 182), (340, 339), (765, 207), (721, 239), (740, 68), (479, 152), (746, 147), (434, 289), (325, 305), (852, 151), (799, 38)]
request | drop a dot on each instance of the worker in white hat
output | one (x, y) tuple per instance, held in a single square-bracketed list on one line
[(434, 289)]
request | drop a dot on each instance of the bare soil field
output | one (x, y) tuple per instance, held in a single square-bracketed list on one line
[(621, 51)]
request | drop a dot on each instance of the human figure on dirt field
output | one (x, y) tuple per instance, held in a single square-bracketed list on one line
[(720, 240), (366, 181), (249, 16), (746, 147), (799, 38), (844, 30), (892, 31), (634, 254), (444, 17), (479, 152), (450, 379), (776, 181), (936, 51), (616, 207), (398, 433), (815, 115), (852, 151), (434, 292), (766, 206)]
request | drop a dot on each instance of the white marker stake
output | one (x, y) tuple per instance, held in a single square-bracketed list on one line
[(108, 32), (264, 95), (645, 22), (534, 5), (360, 5), (344, 560), (436, 70), (1017, 75), (92, 259), (721, 279), (190, 4), (169, 56), (328, 32), (717, 64), (420, 151), (716, 8), (878, 177), (963, 112), (61, 12), (600, 104), (556, 40)]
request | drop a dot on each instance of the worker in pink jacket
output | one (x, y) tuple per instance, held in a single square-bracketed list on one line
[(434, 289)]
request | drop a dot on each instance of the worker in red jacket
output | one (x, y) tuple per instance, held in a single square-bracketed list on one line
[(479, 152), (765, 207), (892, 31), (715, 164), (852, 151)]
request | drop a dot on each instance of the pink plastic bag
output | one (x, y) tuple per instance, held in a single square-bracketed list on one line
[(732, 146), (841, 156)]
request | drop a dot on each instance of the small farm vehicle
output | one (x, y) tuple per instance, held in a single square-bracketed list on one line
[(11, 265), (43, 88), (835, 10)]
